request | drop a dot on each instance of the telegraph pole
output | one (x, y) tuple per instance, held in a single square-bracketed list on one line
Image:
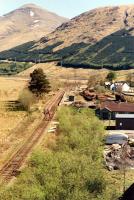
[(124, 162), (61, 62)]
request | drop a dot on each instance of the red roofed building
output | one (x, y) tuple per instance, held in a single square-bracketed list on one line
[(108, 109)]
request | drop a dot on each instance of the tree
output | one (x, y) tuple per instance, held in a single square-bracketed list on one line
[(39, 83), (111, 76)]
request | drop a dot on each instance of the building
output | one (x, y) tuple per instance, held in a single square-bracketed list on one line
[(120, 97), (107, 85), (108, 109), (128, 194), (71, 98), (125, 121), (120, 86)]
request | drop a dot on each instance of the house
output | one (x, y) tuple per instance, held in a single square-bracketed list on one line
[(120, 86), (124, 121), (107, 85), (108, 109)]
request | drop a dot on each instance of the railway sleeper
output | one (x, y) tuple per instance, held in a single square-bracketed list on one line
[(11, 173)]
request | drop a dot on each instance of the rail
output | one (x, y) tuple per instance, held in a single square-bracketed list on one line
[(12, 166)]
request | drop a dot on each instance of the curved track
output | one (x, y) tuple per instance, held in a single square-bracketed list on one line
[(10, 169)]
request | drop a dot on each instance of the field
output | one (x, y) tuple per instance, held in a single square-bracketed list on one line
[(69, 74), (12, 68), (15, 125), (10, 88), (58, 72)]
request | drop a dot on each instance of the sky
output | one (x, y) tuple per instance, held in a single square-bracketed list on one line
[(67, 8)]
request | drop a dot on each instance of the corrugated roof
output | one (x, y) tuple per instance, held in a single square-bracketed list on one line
[(117, 106)]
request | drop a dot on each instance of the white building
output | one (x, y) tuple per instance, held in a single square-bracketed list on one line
[(122, 86)]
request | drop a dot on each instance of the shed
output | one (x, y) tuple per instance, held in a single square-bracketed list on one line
[(108, 109), (125, 121), (128, 194), (71, 98)]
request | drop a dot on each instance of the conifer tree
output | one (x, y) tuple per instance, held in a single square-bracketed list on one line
[(39, 83)]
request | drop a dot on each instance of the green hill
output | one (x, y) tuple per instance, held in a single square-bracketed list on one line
[(115, 51), (99, 38)]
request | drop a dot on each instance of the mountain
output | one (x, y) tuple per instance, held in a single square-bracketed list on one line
[(102, 37), (29, 22)]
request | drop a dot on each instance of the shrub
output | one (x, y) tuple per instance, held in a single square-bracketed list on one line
[(27, 99), (73, 170), (111, 76)]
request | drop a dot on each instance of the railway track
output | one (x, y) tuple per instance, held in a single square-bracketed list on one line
[(12, 166)]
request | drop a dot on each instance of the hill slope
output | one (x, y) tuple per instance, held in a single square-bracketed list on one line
[(29, 22), (100, 37)]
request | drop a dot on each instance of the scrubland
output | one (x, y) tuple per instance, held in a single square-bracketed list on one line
[(69, 164)]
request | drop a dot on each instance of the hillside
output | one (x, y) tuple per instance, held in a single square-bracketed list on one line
[(29, 22), (99, 38)]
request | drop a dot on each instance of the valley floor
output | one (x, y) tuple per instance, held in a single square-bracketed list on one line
[(70, 74), (16, 126)]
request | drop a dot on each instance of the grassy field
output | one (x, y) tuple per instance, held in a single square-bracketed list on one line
[(10, 88), (59, 74), (12, 68), (15, 125)]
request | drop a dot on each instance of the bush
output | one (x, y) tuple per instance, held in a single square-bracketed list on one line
[(71, 170), (111, 76), (27, 99)]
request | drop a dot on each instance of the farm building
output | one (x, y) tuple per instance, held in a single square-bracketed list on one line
[(125, 121), (120, 86), (107, 85), (108, 109)]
